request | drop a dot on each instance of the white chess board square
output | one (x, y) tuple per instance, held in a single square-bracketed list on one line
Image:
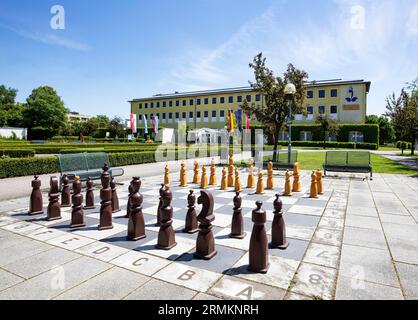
[(45, 234), (308, 210), (183, 246), (5, 220), (222, 220), (285, 200), (96, 215), (222, 238), (22, 227), (70, 241), (151, 225), (102, 251), (94, 232), (298, 232)]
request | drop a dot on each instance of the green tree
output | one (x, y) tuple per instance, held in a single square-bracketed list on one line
[(329, 126), (386, 129), (273, 112), (117, 127), (7, 95)]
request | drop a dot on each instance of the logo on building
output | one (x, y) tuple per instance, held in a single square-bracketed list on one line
[(350, 95)]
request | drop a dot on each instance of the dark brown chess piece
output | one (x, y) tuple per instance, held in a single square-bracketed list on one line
[(106, 200), (89, 194), (258, 242), (77, 214), (237, 226), (159, 206), (36, 205), (115, 198), (191, 217), (133, 188), (166, 235), (278, 228), (136, 223), (66, 192), (205, 243), (54, 208)]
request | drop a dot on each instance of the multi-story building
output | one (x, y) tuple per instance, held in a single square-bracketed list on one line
[(77, 117)]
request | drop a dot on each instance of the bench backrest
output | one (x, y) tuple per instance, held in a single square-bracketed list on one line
[(348, 158), (74, 162), (336, 158), (284, 158)]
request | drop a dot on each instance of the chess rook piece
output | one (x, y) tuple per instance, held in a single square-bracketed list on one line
[(166, 235), (250, 179), (237, 226), (231, 179), (36, 205), (314, 187), (54, 208), (238, 185), (319, 181), (166, 176), (287, 184), (212, 178), (77, 214), (66, 192), (204, 182), (270, 182), (115, 198), (258, 242), (106, 200), (133, 188), (89, 194), (278, 228), (183, 175), (191, 218), (136, 223), (196, 178), (205, 243), (160, 203), (260, 183), (296, 178), (224, 181)]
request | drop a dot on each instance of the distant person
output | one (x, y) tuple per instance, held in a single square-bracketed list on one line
[(81, 137)]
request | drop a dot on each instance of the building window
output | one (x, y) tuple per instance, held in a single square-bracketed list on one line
[(222, 99), (334, 93), (191, 102), (158, 104), (198, 102), (198, 114), (163, 116), (191, 114), (140, 117), (214, 100), (184, 102), (333, 109), (140, 106), (177, 115), (170, 103), (177, 103), (309, 94), (321, 93), (206, 114), (206, 100), (257, 97), (170, 116), (213, 113), (152, 105), (146, 105), (321, 109), (164, 104), (356, 136), (248, 98), (239, 99), (183, 115), (222, 113), (305, 136), (230, 99), (309, 110)]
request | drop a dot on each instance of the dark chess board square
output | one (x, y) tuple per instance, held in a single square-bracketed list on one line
[(301, 219), (295, 251), (193, 236), (120, 240)]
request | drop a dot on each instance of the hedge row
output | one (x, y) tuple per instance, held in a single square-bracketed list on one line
[(17, 153), (28, 166), (330, 144)]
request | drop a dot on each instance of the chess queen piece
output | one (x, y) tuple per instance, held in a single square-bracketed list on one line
[(166, 235), (260, 183), (133, 188), (204, 182), (258, 252), (115, 198), (89, 194), (237, 225), (183, 175), (314, 187), (77, 214), (238, 185), (270, 181), (106, 200), (191, 218), (287, 184), (250, 179), (66, 192), (212, 178), (36, 205), (231, 179), (160, 203), (166, 176), (296, 178), (136, 223), (278, 228), (319, 181), (54, 208), (196, 177), (224, 181), (205, 243)]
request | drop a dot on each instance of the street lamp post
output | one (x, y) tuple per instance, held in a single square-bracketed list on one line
[(289, 90)]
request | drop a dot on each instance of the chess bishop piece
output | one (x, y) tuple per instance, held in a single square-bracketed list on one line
[(212, 178), (204, 182), (89, 195), (224, 181), (191, 217), (115, 198), (238, 185), (270, 181), (278, 228), (296, 178), (251, 179), (196, 177), (319, 181), (166, 176), (287, 184), (183, 175), (66, 192), (136, 223), (106, 200), (314, 187), (166, 235), (160, 203), (54, 208), (77, 214), (205, 243), (258, 252), (260, 183), (36, 204), (237, 225), (231, 179)]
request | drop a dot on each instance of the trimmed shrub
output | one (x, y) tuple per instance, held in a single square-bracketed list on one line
[(17, 153), (28, 166)]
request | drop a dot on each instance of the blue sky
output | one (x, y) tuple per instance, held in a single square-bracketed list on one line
[(113, 51)]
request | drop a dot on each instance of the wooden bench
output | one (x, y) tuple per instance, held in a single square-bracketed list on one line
[(348, 161)]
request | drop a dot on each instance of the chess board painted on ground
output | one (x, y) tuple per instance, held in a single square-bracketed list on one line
[(307, 269)]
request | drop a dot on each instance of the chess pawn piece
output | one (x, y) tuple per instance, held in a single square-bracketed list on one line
[(204, 182), (319, 181), (212, 178), (136, 223), (106, 200), (270, 182), (237, 225), (36, 205), (238, 185), (205, 242), (224, 181), (66, 192), (77, 214), (250, 179), (159, 206), (258, 242), (296, 178), (183, 175), (191, 218), (115, 198), (133, 188), (287, 184), (231, 171), (196, 178), (278, 228), (166, 176), (54, 208), (89, 194), (314, 187), (166, 235), (260, 183)]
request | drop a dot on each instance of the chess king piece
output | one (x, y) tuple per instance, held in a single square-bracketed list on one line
[(314, 187), (204, 182), (278, 228), (205, 243), (133, 188), (270, 181), (183, 175), (191, 218), (238, 185), (196, 178), (54, 208), (296, 178), (224, 181), (89, 195), (136, 223), (231, 171), (319, 181), (115, 198), (287, 184), (212, 178), (36, 205), (250, 179), (166, 235), (260, 183), (258, 242), (66, 192), (166, 176), (237, 226), (160, 203), (106, 200), (77, 214)]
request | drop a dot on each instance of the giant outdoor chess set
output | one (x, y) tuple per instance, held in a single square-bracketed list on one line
[(204, 246)]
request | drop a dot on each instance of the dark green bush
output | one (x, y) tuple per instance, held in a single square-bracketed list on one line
[(331, 144), (28, 166), (17, 153)]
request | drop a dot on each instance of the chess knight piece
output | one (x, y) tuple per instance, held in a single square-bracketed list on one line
[(89, 195), (136, 223), (204, 182), (160, 203), (314, 187), (296, 178), (66, 192), (166, 176), (106, 200), (270, 181), (115, 199), (278, 228), (183, 175), (191, 218), (258, 242), (224, 181), (205, 243), (260, 183), (36, 205), (231, 171), (166, 235), (237, 226), (287, 184), (238, 185), (77, 214), (319, 181), (133, 188), (54, 208), (251, 179), (212, 178), (196, 178)]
